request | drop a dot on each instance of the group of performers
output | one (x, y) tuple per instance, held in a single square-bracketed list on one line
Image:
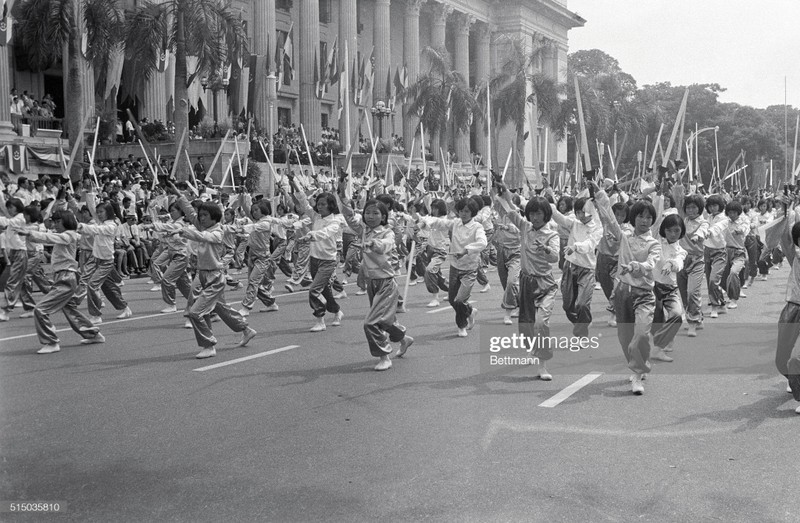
[(650, 253)]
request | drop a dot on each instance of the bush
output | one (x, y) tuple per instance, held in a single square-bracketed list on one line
[(155, 132)]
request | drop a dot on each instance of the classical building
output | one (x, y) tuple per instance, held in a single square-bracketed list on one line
[(477, 34)]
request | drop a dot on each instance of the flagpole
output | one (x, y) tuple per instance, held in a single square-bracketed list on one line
[(489, 126), (346, 98)]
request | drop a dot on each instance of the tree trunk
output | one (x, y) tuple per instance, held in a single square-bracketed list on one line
[(181, 88), (74, 101)]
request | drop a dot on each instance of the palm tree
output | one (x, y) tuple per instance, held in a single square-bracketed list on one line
[(441, 97), (510, 94), (207, 29), (46, 27)]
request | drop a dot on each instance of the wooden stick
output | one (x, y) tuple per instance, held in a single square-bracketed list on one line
[(191, 169), (655, 148), (178, 155), (671, 143), (216, 157), (94, 150), (508, 160), (794, 158), (308, 151), (76, 142), (408, 274), (489, 125), (587, 160)]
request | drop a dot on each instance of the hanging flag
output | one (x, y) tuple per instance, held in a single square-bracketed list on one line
[(332, 66), (255, 61), (288, 53), (5, 26), (448, 104), (163, 57), (279, 66), (388, 94), (369, 72), (343, 86), (17, 156), (114, 71), (319, 83), (268, 59), (354, 76), (401, 83)]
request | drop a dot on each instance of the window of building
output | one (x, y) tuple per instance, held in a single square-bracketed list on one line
[(323, 57), (324, 11), (324, 120), (286, 5), (281, 39), (359, 24), (284, 116)]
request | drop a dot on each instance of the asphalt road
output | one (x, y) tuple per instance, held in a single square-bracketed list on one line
[(131, 431)]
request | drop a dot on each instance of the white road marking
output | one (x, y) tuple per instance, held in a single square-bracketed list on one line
[(570, 390), (251, 357), (448, 308)]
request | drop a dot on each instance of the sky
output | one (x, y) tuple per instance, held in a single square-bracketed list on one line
[(746, 46)]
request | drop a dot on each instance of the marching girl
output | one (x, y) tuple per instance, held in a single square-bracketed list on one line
[(539, 248), (175, 276), (16, 251), (764, 216), (690, 278), (36, 260), (209, 289), (378, 241), (507, 243), (323, 253), (437, 249), (634, 302), (669, 309), (102, 274), (714, 253), (787, 355), (577, 279), (63, 295), (468, 239), (735, 236)]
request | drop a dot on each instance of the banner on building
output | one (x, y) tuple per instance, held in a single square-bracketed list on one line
[(17, 157)]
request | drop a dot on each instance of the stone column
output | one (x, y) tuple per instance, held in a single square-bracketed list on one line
[(6, 129), (381, 39), (310, 107), (154, 99), (264, 41), (411, 59), (348, 34), (482, 77), (438, 35), (463, 22)]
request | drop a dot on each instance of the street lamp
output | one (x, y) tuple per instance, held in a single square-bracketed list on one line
[(272, 97), (380, 111), (216, 84)]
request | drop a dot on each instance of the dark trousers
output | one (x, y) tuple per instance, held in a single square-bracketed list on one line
[(577, 285)]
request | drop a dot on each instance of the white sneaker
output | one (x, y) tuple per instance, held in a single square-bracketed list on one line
[(471, 319), (244, 311), (744, 286), (96, 320), (290, 286), (797, 410), (788, 388), (127, 313), (612, 320), (340, 296), (507, 320), (122, 282), (462, 333), (187, 324), (405, 343), (337, 319), (763, 277), (433, 303), (733, 305), (149, 282), (361, 292), (319, 327), (26, 314), (98, 338), (401, 309), (271, 308), (661, 355), (49, 349), (155, 288), (742, 295), (385, 363), (692, 331), (598, 287), (544, 374), (637, 387), (486, 288), (411, 283), (171, 308), (713, 314), (247, 335), (207, 353), (3, 315)]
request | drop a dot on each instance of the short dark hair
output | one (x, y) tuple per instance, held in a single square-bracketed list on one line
[(696, 200), (536, 204), (440, 206), (33, 213), (330, 200), (468, 203), (263, 206), (214, 211), (67, 219), (671, 220), (715, 199), (566, 200), (733, 206), (16, 203), (796, 233), (381, 209), (621, 207), (640, 207), (579, 203)]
